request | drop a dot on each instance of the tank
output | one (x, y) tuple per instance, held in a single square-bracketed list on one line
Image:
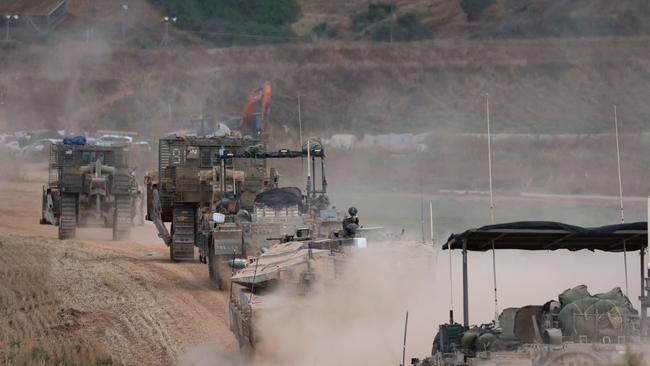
[(89, 186)]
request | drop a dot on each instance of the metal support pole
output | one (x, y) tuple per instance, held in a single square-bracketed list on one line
[(465, 287), (644, 312), (324, 179)]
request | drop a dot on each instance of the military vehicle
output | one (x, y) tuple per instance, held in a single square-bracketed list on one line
[(577, 329), (89, 186), (295, 263), (220, 195)]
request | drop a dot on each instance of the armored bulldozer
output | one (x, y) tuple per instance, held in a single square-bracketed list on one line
[(89, 186), (197, 175)]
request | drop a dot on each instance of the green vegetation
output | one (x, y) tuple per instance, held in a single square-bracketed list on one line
[(230, 22), (8, 44), (40, 356), (474, 8), (324, 30), (407, 26), (376, 12), (143, 42)]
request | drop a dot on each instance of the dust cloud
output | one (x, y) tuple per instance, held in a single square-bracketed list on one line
[(357, 318)]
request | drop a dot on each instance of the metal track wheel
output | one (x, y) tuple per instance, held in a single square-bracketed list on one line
[(183, 232), (213, 266), (122, 220), (68, 218)]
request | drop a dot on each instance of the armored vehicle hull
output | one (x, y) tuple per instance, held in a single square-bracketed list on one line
[(89, 186)]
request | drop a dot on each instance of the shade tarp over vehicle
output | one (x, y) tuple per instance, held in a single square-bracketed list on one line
[(548, 235)]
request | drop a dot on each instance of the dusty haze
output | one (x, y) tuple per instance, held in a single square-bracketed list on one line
[(535, 85)]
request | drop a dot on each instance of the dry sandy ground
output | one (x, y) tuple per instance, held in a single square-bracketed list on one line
[(92, 298)]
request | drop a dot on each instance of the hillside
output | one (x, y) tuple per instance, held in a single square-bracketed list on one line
[(546, 85), (89, 73), (485, 18)]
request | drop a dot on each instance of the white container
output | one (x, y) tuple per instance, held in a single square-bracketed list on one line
[(218, 218), (360, 242)]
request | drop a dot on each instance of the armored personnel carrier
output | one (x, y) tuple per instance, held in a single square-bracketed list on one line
[(89, 186), (296, 262), (576, 329)]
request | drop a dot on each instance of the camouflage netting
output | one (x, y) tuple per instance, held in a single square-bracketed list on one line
[(280, 198), (256, 149), (314, 144), (602, 314)]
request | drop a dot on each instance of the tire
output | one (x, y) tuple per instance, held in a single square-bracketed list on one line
[(68, 217)]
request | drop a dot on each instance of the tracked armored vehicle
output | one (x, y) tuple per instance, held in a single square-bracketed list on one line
[(295, 264), (89, 186), (194, 173), (576, 329), (221, 196)]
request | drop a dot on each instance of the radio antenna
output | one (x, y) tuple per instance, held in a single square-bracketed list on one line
[(494, 261), (620, 196)]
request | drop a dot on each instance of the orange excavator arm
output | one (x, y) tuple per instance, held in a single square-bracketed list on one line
[(262, 97)]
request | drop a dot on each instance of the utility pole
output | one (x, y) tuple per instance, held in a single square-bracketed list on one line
[(392, 19), (167, 20), (125, 9), (8, 19), (422, 212)]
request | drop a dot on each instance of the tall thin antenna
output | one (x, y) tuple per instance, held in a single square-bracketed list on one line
[(250, 299), (406, 324), (487, 104), (494, 260), (620, 195), (451, 290), (299, 121), (431, 221), (422, 212)]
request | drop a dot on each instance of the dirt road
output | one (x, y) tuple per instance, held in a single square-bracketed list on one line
[(93, 300)]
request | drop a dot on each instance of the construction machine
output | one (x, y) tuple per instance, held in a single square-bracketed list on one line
[(89, 186)]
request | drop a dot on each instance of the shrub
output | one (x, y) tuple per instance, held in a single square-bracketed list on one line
[(474, 8), (324, 30), (359, 21), (143, 41), (8, 45), (218, 16), (408, 20), (381, 33), (407, 28), (378, 11)]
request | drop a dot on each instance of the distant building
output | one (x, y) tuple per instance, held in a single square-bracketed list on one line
[(42, 15)]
